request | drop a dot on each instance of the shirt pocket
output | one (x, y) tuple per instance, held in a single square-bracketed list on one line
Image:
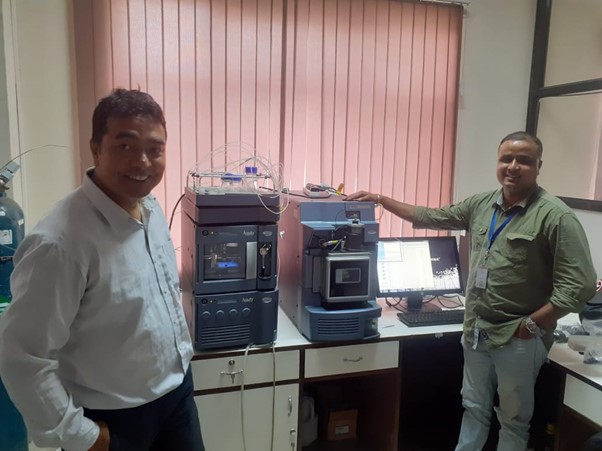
[(519, 248), (479, 239)]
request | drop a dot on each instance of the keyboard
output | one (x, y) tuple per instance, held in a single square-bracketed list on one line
[(433, 318)]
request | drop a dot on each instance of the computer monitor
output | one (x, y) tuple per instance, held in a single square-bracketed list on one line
[(414, 267)]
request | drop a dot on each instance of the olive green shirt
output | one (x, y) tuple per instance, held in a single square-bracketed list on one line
[(540, 256)]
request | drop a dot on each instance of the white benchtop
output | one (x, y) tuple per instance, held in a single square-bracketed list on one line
[(391, 328), (572, 361)]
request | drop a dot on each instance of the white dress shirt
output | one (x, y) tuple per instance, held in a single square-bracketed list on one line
[(96, 319)]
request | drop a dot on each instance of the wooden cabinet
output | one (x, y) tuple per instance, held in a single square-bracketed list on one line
[(584, 399), (241, 408), (248, 403), (581, 414), (430, 401), (364, 377), (577, 390)]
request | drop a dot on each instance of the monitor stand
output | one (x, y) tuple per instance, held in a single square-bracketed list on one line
[(414, 301)]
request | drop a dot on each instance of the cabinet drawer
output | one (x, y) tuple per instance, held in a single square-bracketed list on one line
[(258, 368), (583, 399), (351, 359)]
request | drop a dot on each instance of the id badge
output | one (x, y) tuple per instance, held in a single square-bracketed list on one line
[(481, 281)]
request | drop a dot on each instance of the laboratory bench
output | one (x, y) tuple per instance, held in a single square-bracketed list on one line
[(401, 391), (579, 414)]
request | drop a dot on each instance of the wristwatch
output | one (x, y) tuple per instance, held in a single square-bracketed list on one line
[(533, 327)]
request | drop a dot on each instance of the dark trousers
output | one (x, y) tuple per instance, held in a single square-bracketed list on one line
[(170, 423), (594, 443)]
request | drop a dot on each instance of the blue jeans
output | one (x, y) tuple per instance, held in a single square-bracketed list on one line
[(594, 443), (170, 423), (512, 369)]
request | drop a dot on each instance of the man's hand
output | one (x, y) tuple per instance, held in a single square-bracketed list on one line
[(103, 440), (522, 332), (403, 210), (363, 196)]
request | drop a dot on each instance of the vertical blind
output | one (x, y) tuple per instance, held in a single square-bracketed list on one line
[(360, 92)]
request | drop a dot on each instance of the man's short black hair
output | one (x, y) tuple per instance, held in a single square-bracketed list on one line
[(524, 136), (124, 103)]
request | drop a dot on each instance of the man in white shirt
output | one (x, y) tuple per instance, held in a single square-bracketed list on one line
[(94, 348)]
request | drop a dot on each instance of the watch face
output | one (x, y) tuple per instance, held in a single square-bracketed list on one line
[(531, 326)]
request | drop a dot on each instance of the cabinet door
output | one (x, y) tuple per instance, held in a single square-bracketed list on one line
[(222, 416)]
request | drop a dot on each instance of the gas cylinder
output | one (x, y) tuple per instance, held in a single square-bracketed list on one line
[(12, 230), (13, 435)]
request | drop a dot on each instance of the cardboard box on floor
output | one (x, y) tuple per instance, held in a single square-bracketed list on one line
[(342, 424)]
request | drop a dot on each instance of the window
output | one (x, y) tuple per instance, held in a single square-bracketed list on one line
[(565, 99), (337, 91)]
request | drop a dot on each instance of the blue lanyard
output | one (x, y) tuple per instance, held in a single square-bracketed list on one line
[(493, 235)]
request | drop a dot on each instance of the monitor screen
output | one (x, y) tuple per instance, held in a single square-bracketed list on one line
[(417, 266)]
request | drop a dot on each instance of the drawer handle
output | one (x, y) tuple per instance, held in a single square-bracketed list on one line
[(232, 374), (359, 359)]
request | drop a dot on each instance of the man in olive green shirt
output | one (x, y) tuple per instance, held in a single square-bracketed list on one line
[(530, 264)]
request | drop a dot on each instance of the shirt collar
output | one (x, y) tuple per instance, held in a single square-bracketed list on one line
[(523, 204), (116, 216)]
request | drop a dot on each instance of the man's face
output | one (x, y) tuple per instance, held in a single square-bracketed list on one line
[(130, 160), (517, 168)]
